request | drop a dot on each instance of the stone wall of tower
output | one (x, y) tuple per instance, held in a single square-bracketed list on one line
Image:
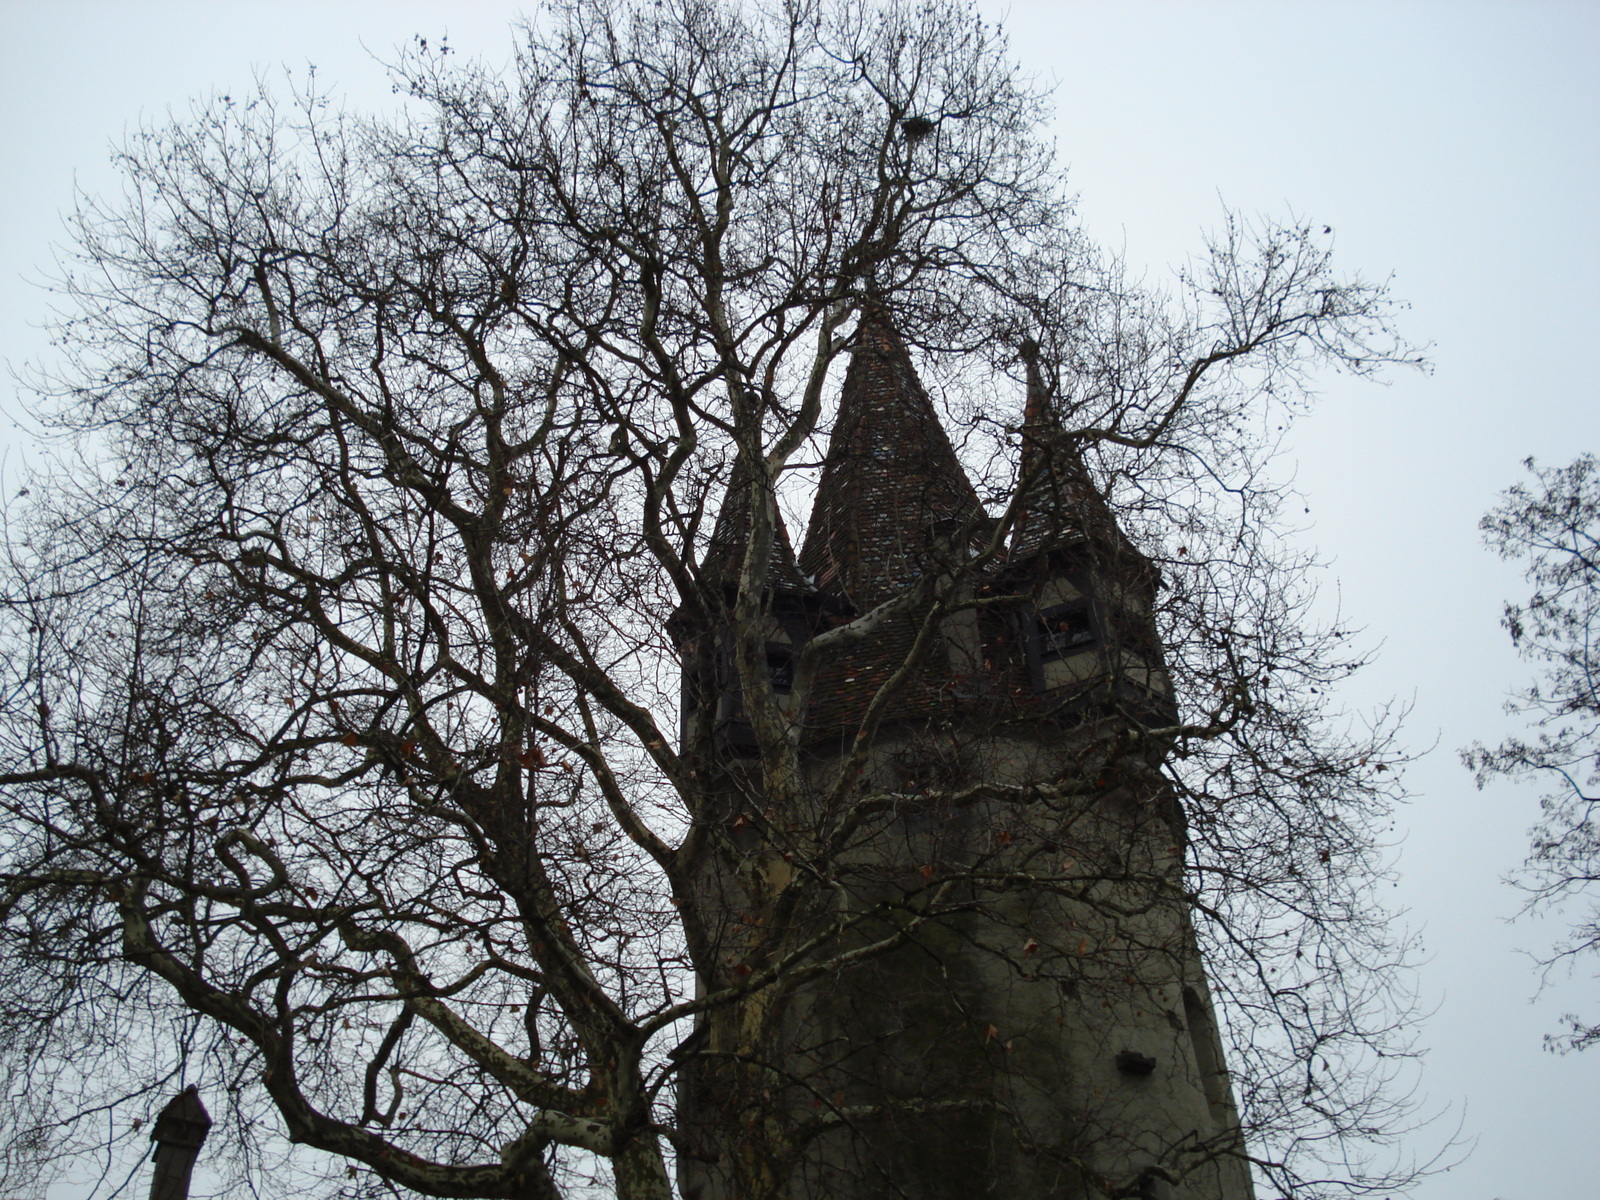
[(1053, 1040), (1049, 1039), (1040, 1024)]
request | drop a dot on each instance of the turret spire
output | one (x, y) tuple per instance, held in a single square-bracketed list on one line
[(725, 555), (1060, 504), (891, 483)]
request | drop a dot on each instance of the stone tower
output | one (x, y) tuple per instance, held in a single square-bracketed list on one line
[(980, 849)]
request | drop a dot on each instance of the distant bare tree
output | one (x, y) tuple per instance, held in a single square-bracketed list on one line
[(340, 714), (1554, 527)]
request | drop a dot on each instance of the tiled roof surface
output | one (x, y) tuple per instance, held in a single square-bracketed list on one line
[(890, 480), (1061, 505), (725, 554)]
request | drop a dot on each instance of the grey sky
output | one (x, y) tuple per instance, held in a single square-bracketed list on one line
[(1456, 145)]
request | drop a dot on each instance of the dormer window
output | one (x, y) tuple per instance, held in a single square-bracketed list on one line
[(1064, 645), (1064, 630), (780, 666)]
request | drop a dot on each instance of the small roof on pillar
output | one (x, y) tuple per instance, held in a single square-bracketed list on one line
[(1061, 506), (891, 481), (725, 555), (184, 1120)]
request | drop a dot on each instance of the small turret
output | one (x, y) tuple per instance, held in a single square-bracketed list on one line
[(713, 703), (1089, 624), (724, 556)]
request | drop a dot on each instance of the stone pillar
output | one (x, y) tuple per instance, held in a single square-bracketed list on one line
[(179, 1132)]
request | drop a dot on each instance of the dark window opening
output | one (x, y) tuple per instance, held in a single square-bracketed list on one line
[(780, 666), (1063, 631), (693, 698), (693, 690)]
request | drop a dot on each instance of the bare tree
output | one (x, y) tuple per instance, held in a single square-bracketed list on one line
[(350, 651), (1553, 526)]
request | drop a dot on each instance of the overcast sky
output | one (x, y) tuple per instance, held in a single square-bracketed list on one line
[(1454, 146)]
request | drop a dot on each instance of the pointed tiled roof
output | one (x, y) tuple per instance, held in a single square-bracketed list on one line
[(891, 482), (725, 554), (1060, 503)]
